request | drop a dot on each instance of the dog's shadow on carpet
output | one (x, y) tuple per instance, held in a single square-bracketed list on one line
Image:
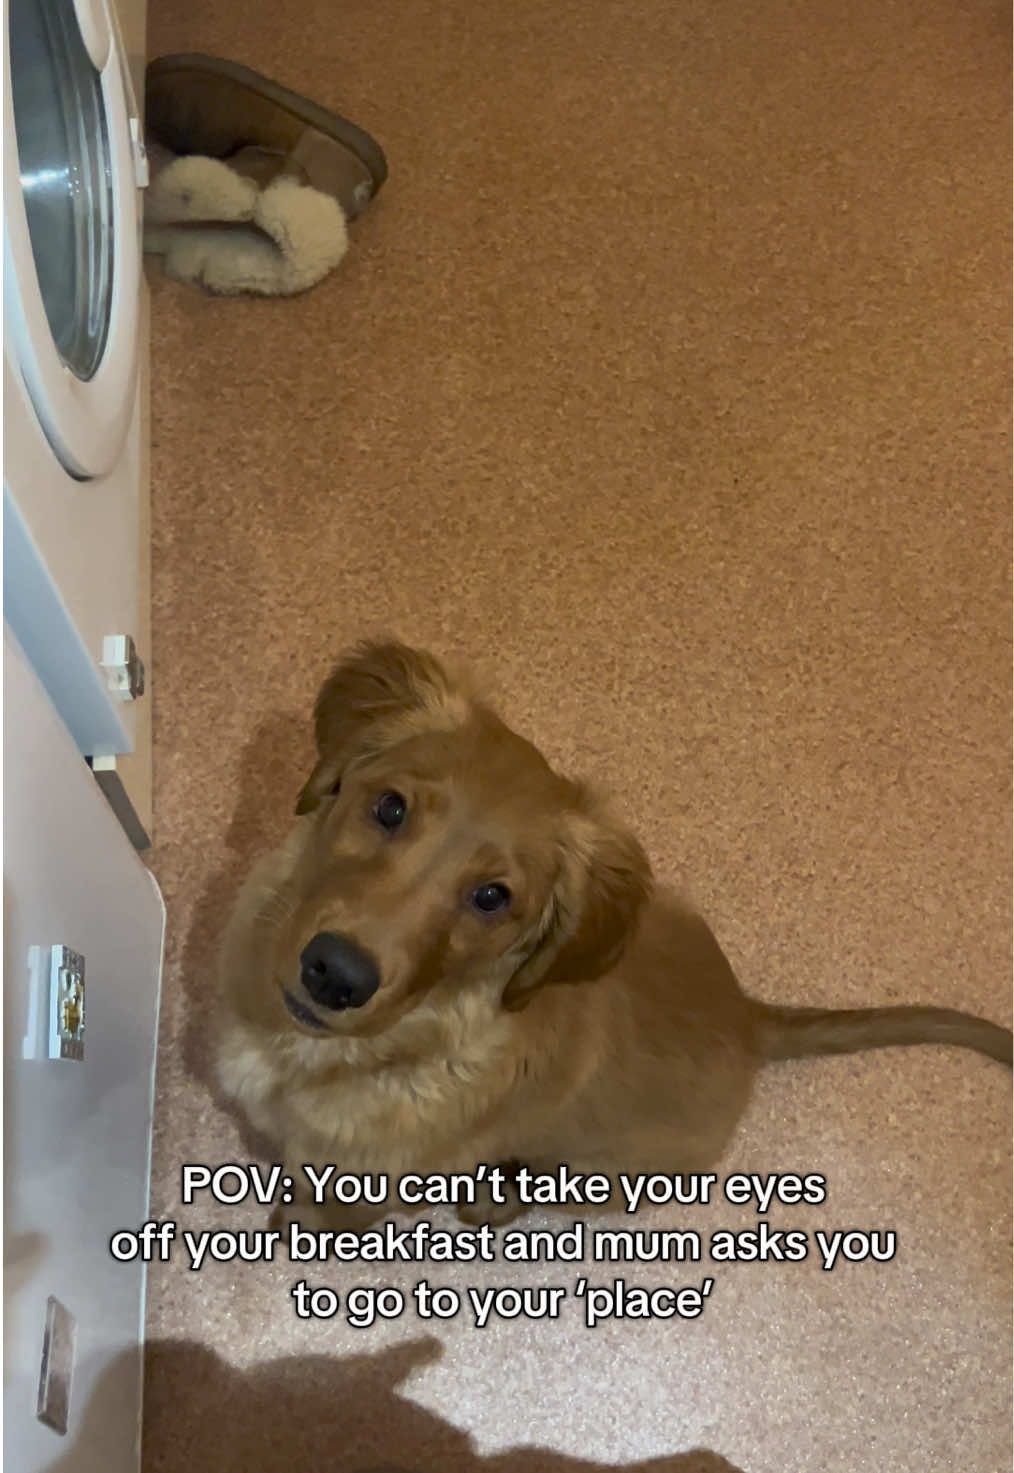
[(272, 767), (316, 1413)]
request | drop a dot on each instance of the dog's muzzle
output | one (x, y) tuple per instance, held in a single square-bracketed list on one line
[(301, 1013), (337, 973)]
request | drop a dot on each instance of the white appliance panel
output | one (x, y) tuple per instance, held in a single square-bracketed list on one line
[(77, 1133)]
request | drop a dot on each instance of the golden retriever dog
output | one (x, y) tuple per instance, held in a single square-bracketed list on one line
[(458, 957)]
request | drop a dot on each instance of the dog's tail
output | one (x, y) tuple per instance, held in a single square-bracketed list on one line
[(794, 1033)]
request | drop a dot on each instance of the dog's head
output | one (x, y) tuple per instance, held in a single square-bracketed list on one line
[(442, 852)]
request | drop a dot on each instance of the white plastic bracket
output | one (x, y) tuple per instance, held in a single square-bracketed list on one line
[(140, 153)]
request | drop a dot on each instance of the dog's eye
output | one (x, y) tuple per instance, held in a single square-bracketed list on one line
[(489, 898), (390, 810)]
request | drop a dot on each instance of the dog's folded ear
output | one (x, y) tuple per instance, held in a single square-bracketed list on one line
[(379, 692), (604, 880)]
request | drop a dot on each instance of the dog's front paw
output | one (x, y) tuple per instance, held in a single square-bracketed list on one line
[(487, 1210), (332, 1217), (304, 1214), (489, 1213)]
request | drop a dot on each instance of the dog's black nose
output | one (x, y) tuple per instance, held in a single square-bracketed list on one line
[(337, 973)]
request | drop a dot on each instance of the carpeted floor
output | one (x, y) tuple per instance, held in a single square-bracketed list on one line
[(667, 379)]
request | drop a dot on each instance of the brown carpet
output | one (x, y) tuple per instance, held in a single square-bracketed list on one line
[(668, 379)]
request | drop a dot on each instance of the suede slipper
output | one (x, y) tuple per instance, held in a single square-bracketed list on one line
[(199, 104)]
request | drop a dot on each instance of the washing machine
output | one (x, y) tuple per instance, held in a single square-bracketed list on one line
[(75, 543), (83, 921)]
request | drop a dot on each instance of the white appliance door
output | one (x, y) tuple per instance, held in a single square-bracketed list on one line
[(72, 164), (77, 1132), (71, 558)]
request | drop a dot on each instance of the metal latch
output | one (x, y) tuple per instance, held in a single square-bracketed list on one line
[(56, 1010), (123, 666), (53, 1406)]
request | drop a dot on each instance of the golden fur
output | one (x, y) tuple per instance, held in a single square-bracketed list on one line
[(592, 1022)]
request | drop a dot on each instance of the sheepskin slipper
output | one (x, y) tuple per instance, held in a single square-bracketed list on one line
[(216, 228)]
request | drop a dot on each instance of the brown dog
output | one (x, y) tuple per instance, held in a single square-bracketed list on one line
[(458, 958)]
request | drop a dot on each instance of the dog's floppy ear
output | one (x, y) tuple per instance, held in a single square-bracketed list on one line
[(604, 880), (364, 701)]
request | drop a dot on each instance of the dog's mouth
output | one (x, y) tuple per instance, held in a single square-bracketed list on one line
[(302, 1013)]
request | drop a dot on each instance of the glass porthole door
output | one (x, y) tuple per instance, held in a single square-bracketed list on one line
[(71, 225)]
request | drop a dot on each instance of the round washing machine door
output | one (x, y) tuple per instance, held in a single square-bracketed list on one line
[(72, 256)]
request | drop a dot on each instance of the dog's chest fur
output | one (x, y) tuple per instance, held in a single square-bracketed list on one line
[(372, 1104)]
